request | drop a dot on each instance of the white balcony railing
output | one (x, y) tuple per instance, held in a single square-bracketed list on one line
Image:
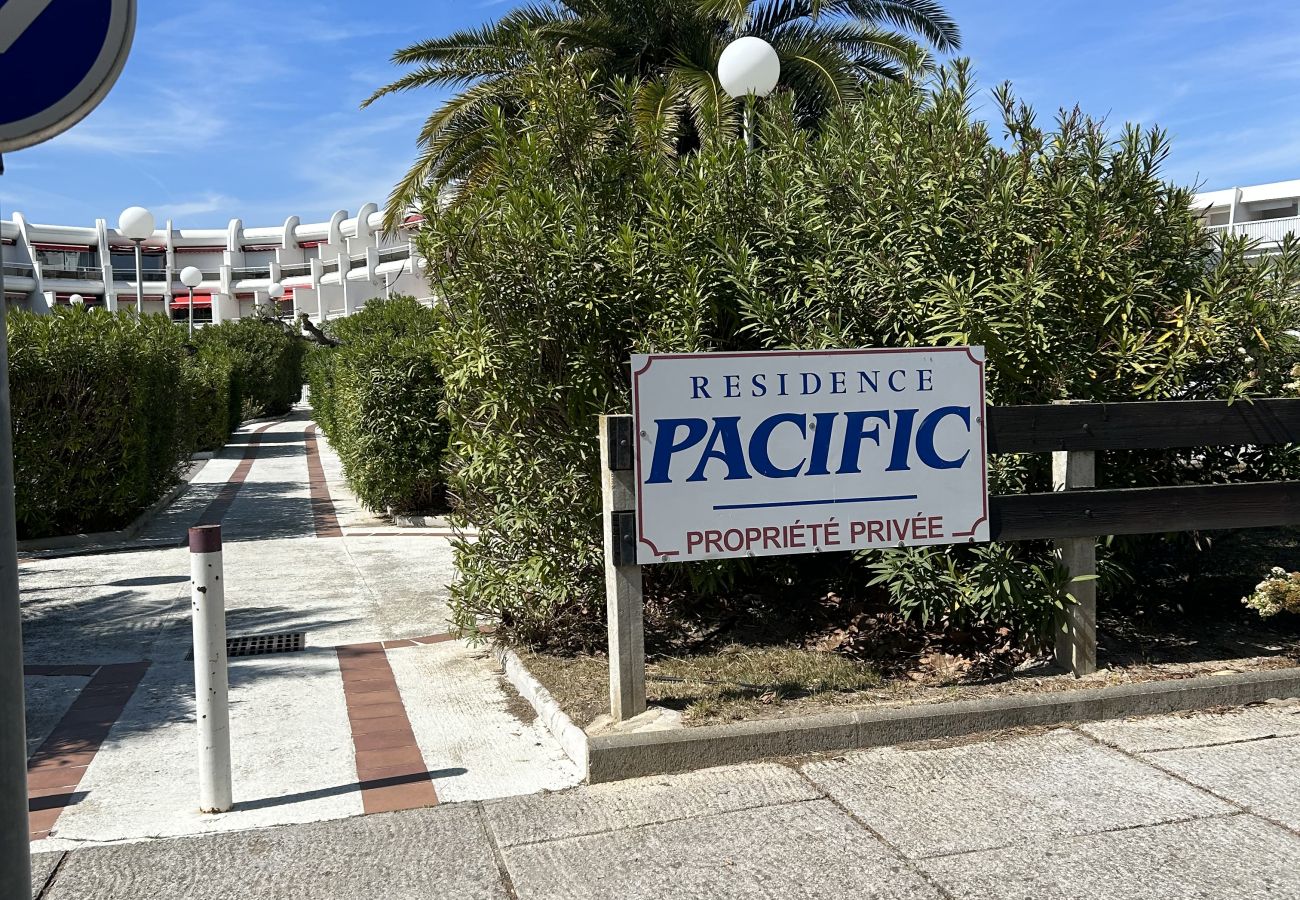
[(1269, 230)]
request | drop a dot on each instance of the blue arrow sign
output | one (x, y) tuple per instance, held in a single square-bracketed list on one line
[(66, 54)]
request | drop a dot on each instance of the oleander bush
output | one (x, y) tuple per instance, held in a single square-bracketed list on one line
[(267, 359), (98, 421), (376, 396), (210, 392), (900, 221)]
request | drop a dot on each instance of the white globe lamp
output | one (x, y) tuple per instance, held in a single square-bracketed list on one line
[(136, 225), (276, 293), (749, 66), (77, 300), (191, 277)]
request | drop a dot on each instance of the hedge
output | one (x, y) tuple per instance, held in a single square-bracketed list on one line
[(99, 424), (267, 360), (376, 397), (901, 222), (108, 410)]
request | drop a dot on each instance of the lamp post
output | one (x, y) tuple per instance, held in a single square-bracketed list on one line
[(136, 225), (190, 277), (275, 292), (748, 67)]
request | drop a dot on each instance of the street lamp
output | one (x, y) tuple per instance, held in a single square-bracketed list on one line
[(136, 225), (748, 67), (190, 277), (275, 292), (77, 300)]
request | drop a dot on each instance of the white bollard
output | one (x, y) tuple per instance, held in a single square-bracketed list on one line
[(211, 682)]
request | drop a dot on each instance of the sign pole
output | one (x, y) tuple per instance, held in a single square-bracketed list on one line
[(91, 45), (623, 598), (15, 856)]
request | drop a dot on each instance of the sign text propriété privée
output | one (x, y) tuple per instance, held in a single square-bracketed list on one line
[(762, 454)]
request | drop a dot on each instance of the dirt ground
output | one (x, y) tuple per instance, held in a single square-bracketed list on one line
[(747, 682)]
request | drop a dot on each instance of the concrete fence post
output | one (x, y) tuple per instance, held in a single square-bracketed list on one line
[(1076, 625), (211, 680), (624, 606)]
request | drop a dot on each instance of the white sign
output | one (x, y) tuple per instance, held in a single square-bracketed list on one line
[(762, 454)]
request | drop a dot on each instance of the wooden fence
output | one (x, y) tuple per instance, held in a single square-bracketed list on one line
[(1076, 513)]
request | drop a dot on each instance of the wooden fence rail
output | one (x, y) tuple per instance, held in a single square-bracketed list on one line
[(1159, 425), (1077, 513)]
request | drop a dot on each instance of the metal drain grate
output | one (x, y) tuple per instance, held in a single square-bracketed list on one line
[(262, 644)]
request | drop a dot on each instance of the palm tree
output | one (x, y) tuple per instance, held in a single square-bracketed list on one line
[(829, 50)]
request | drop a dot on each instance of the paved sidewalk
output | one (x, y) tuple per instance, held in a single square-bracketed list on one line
[(381, 711), (1201, 806)]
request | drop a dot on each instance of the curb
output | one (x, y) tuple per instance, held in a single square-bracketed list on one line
[(571, 738), (402, 520), (78, 541), (618, 756), (614, 757)]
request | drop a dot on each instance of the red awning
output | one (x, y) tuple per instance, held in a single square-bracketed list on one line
[(199, 300), (80, 248)]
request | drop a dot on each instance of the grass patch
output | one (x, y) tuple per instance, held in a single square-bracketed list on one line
[(736, 682)]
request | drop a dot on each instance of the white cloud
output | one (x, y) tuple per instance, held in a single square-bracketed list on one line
[(211, 201)]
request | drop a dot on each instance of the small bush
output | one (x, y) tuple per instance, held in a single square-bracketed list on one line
[(267, 360), (1279, 592), (97, 418), (376, 397)]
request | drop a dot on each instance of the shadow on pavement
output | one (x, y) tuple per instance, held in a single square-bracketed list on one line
[(302, 796)]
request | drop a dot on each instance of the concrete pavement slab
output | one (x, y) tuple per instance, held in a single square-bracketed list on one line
[(1263, 776), (645, 801), (418, 855), (807, 850), (42, 865), (461, 713), (291, 748), (109, 607), (1239, 856), (407, 580), (1002, 792), (47, 698), (1197, 729)]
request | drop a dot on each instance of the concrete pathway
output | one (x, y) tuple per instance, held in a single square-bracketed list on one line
[(1201, 806), (380, 711)]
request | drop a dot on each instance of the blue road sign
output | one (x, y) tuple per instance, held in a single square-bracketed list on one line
[(58, 59)]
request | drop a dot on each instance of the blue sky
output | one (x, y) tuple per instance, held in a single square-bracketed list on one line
[(241, 108)]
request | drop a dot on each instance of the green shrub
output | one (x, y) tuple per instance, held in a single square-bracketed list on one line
[(210, 394), (376, 397), (267, 360), (97, 418), (902, 222)]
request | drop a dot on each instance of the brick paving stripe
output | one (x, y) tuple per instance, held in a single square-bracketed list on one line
[(390, 767), (323, 517), (54, 771), (220, 505)]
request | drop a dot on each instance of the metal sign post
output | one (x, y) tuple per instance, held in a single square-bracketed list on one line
[(91, 42)]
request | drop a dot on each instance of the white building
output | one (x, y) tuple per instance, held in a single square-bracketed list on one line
[(1261, 212), (328, 269)]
